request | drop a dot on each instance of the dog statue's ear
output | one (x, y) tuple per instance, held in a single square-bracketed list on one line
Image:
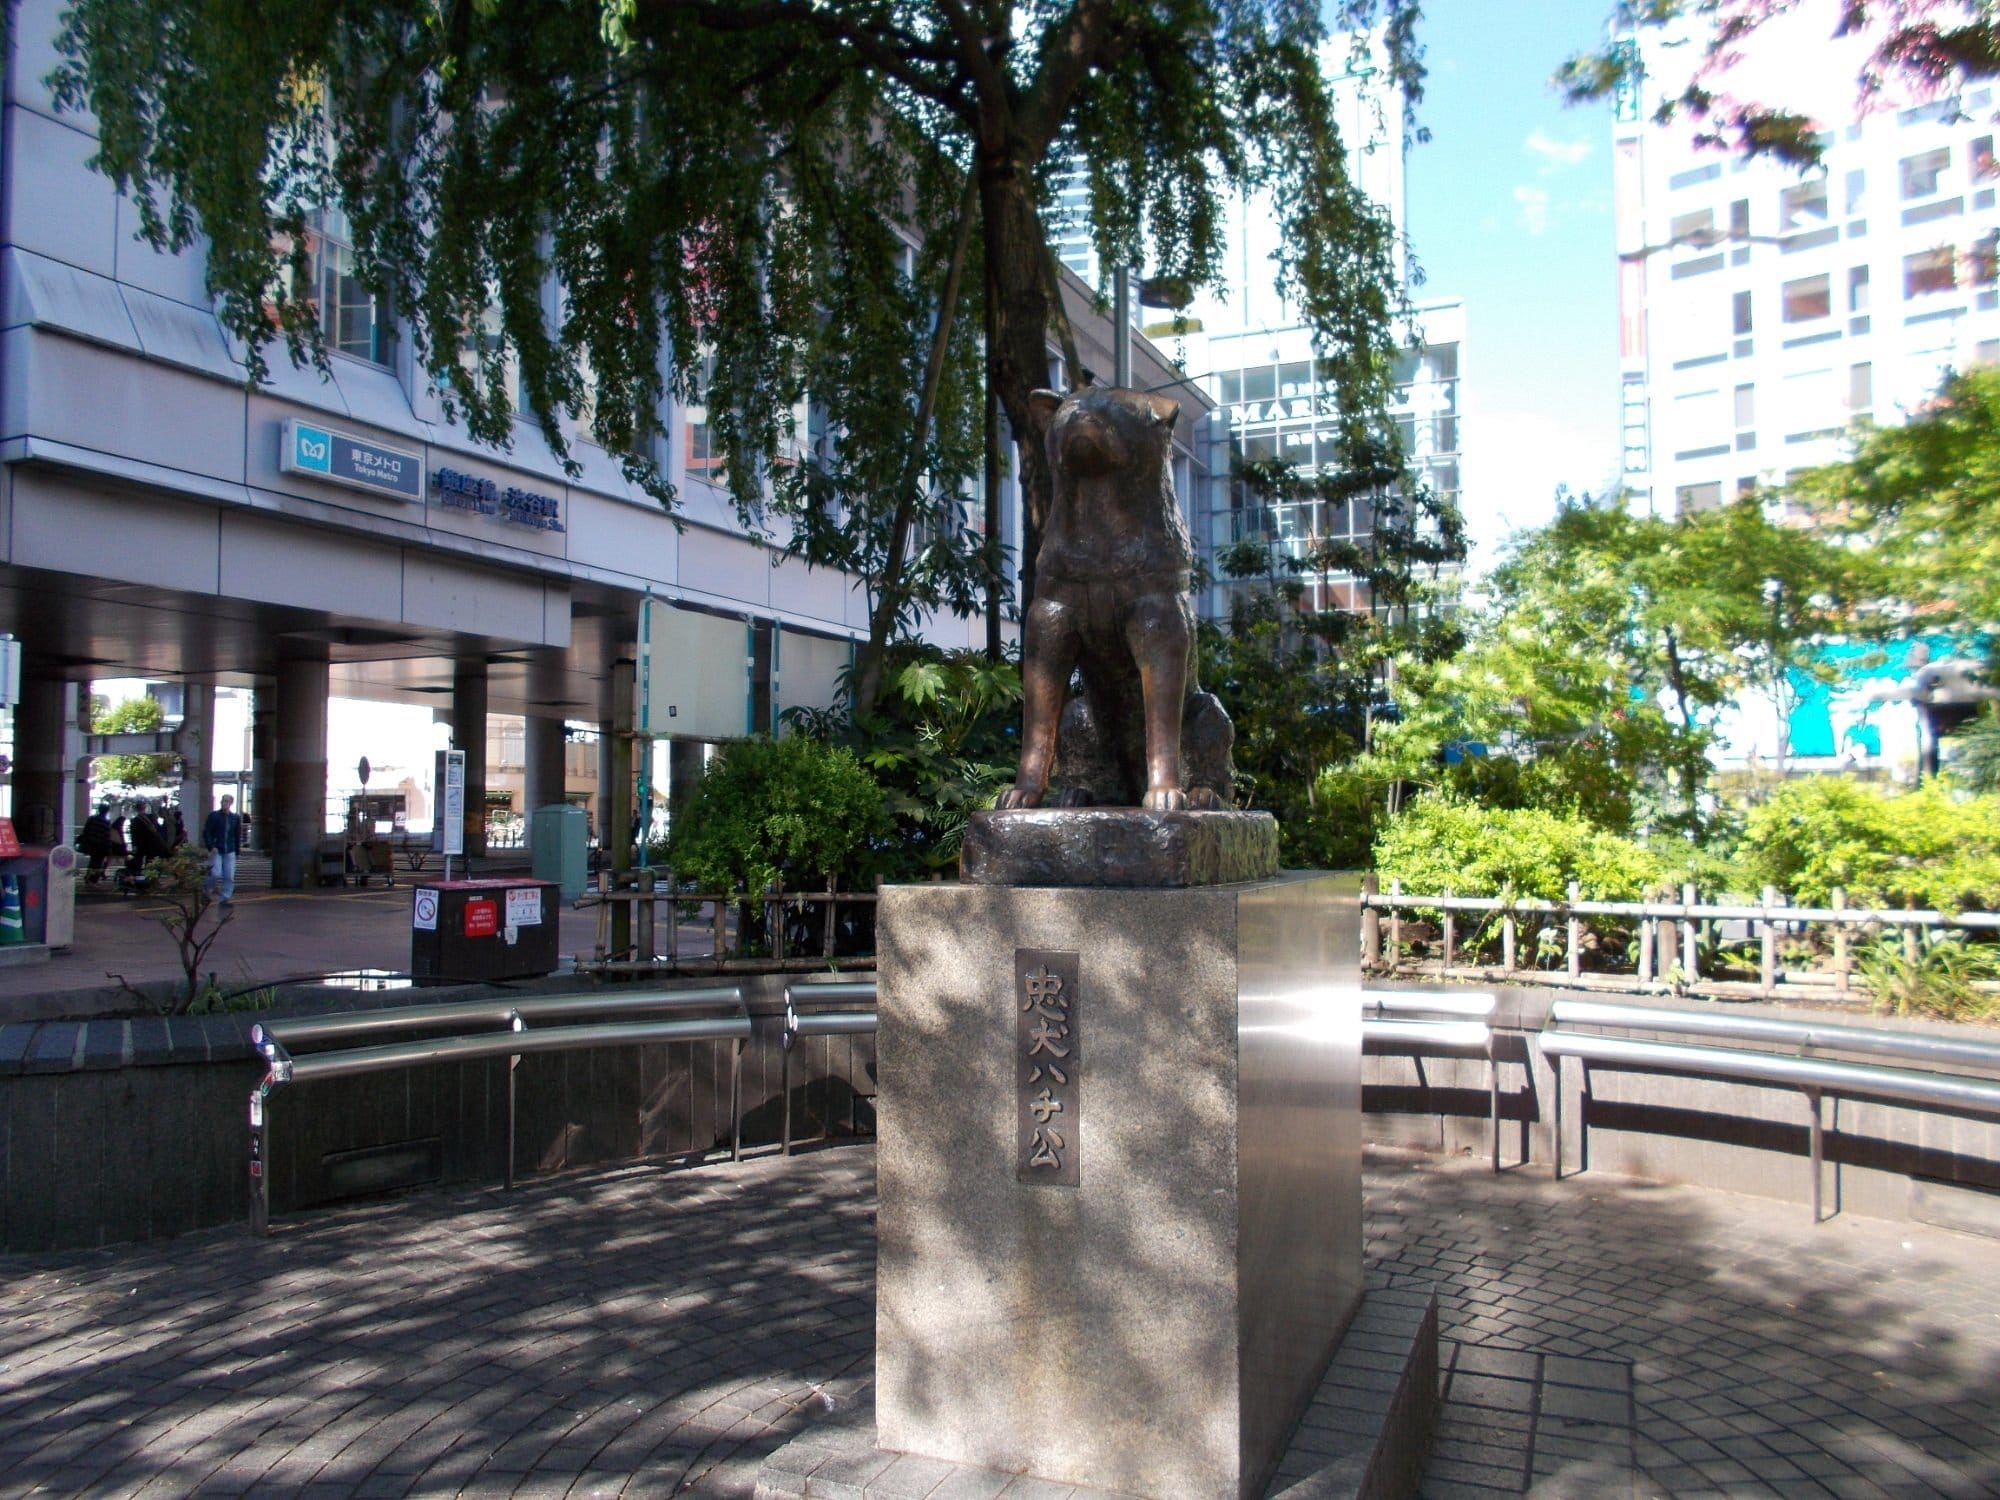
[(1043, 404), (1166, 410)]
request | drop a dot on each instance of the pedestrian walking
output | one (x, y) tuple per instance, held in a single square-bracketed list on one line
[(222, 837)]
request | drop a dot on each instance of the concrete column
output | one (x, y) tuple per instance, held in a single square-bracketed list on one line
[(41, 742), (196, 743), (298, 780), (468, 733), (542, 748), (261, 825), (607, 733)]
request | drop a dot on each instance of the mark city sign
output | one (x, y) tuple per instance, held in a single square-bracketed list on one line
[(461, 491), (322, 453)]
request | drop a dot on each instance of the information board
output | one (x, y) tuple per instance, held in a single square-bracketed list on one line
[(448, 837)]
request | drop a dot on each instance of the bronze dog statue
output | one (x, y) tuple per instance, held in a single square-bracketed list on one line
[(1112, 579)]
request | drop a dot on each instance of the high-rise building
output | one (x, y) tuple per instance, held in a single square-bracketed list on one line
[(1763, 309), (1267, 378)]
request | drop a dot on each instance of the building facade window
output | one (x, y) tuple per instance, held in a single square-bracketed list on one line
[(1692, 230), (1739, 313), (1923, 175), (1808, 298), (1861, 389), (704, 458), (1857, 289), (350, 316), (1689, 498), (1802, 206), (1929, 272)]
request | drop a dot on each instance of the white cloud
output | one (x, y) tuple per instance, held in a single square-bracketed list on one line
[(1534, 205), (1556, 153)]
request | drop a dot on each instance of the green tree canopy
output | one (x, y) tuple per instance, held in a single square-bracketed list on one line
[(1930, 49), (121, 718), (1606, 643), (1926, 495), (1301, 675), (722, 188)]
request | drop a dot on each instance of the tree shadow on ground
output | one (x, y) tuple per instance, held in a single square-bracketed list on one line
[(641, 1329)]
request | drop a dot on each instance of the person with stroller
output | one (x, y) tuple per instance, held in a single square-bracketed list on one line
[(148, 842), (95, 843)]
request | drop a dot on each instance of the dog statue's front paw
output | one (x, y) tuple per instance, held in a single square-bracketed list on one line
[(1165, 799), (1018, 796), (1074, 796)]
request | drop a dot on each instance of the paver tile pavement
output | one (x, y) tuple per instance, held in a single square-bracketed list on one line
[(650, 1330)]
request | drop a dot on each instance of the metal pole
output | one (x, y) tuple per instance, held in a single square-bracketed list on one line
[(1121, 323), (260, 1197), (1583, 1119), (647, 911), (736, 1101), (1818, 1151), (1493, 1092), (785, 1087), (1559, 1118), (513, 1062)]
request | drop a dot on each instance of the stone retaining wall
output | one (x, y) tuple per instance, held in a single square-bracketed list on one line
[(1883, 1161), (115, 1130)]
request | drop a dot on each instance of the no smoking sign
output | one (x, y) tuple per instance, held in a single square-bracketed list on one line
[(424, 910)]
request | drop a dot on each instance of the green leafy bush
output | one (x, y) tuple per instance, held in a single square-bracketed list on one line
[(942, 741), (792, 810), (1932, 847), (1943, 981), (1442, 844)]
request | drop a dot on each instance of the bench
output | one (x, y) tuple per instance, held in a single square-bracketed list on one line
[(1789, 1055), (1425, 1023), (846, 1008), (473, 1030)]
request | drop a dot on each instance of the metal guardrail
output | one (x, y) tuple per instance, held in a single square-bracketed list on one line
[(507, 1030), (855, 1017), (1419, 1024), (656, 945), (1667, 934), (1814, 1076)]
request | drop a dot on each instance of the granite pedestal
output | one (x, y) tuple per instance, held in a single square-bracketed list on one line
[(1158, 1327)]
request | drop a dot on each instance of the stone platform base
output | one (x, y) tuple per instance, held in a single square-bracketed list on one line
[(1118, 846), (1364, 1436)]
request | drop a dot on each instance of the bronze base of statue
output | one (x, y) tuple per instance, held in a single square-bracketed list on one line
[(1118, 846)]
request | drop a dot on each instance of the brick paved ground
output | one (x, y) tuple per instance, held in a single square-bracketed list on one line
[(649, 1331)]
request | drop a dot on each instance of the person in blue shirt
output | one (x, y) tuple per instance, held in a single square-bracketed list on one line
[(222, 837)]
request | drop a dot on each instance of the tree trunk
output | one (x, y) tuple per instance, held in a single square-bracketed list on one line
[(1017, 360), (889, 589)]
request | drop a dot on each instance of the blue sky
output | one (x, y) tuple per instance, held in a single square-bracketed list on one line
[(1510, 208)]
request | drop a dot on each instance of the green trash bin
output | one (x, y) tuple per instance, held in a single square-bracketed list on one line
[(559, 847)]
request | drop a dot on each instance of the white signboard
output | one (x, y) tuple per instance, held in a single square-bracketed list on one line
[(809, 670), (694, 674), (524, 907), (449, 837), (424, 910)]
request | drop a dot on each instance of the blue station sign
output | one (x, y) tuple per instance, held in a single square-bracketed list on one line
[(457, 490), (322, 453)]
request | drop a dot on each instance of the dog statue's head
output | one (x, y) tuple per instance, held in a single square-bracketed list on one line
[(1101, 429)]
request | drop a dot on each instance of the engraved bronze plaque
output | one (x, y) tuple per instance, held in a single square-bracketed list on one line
[(1048, 1067)]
